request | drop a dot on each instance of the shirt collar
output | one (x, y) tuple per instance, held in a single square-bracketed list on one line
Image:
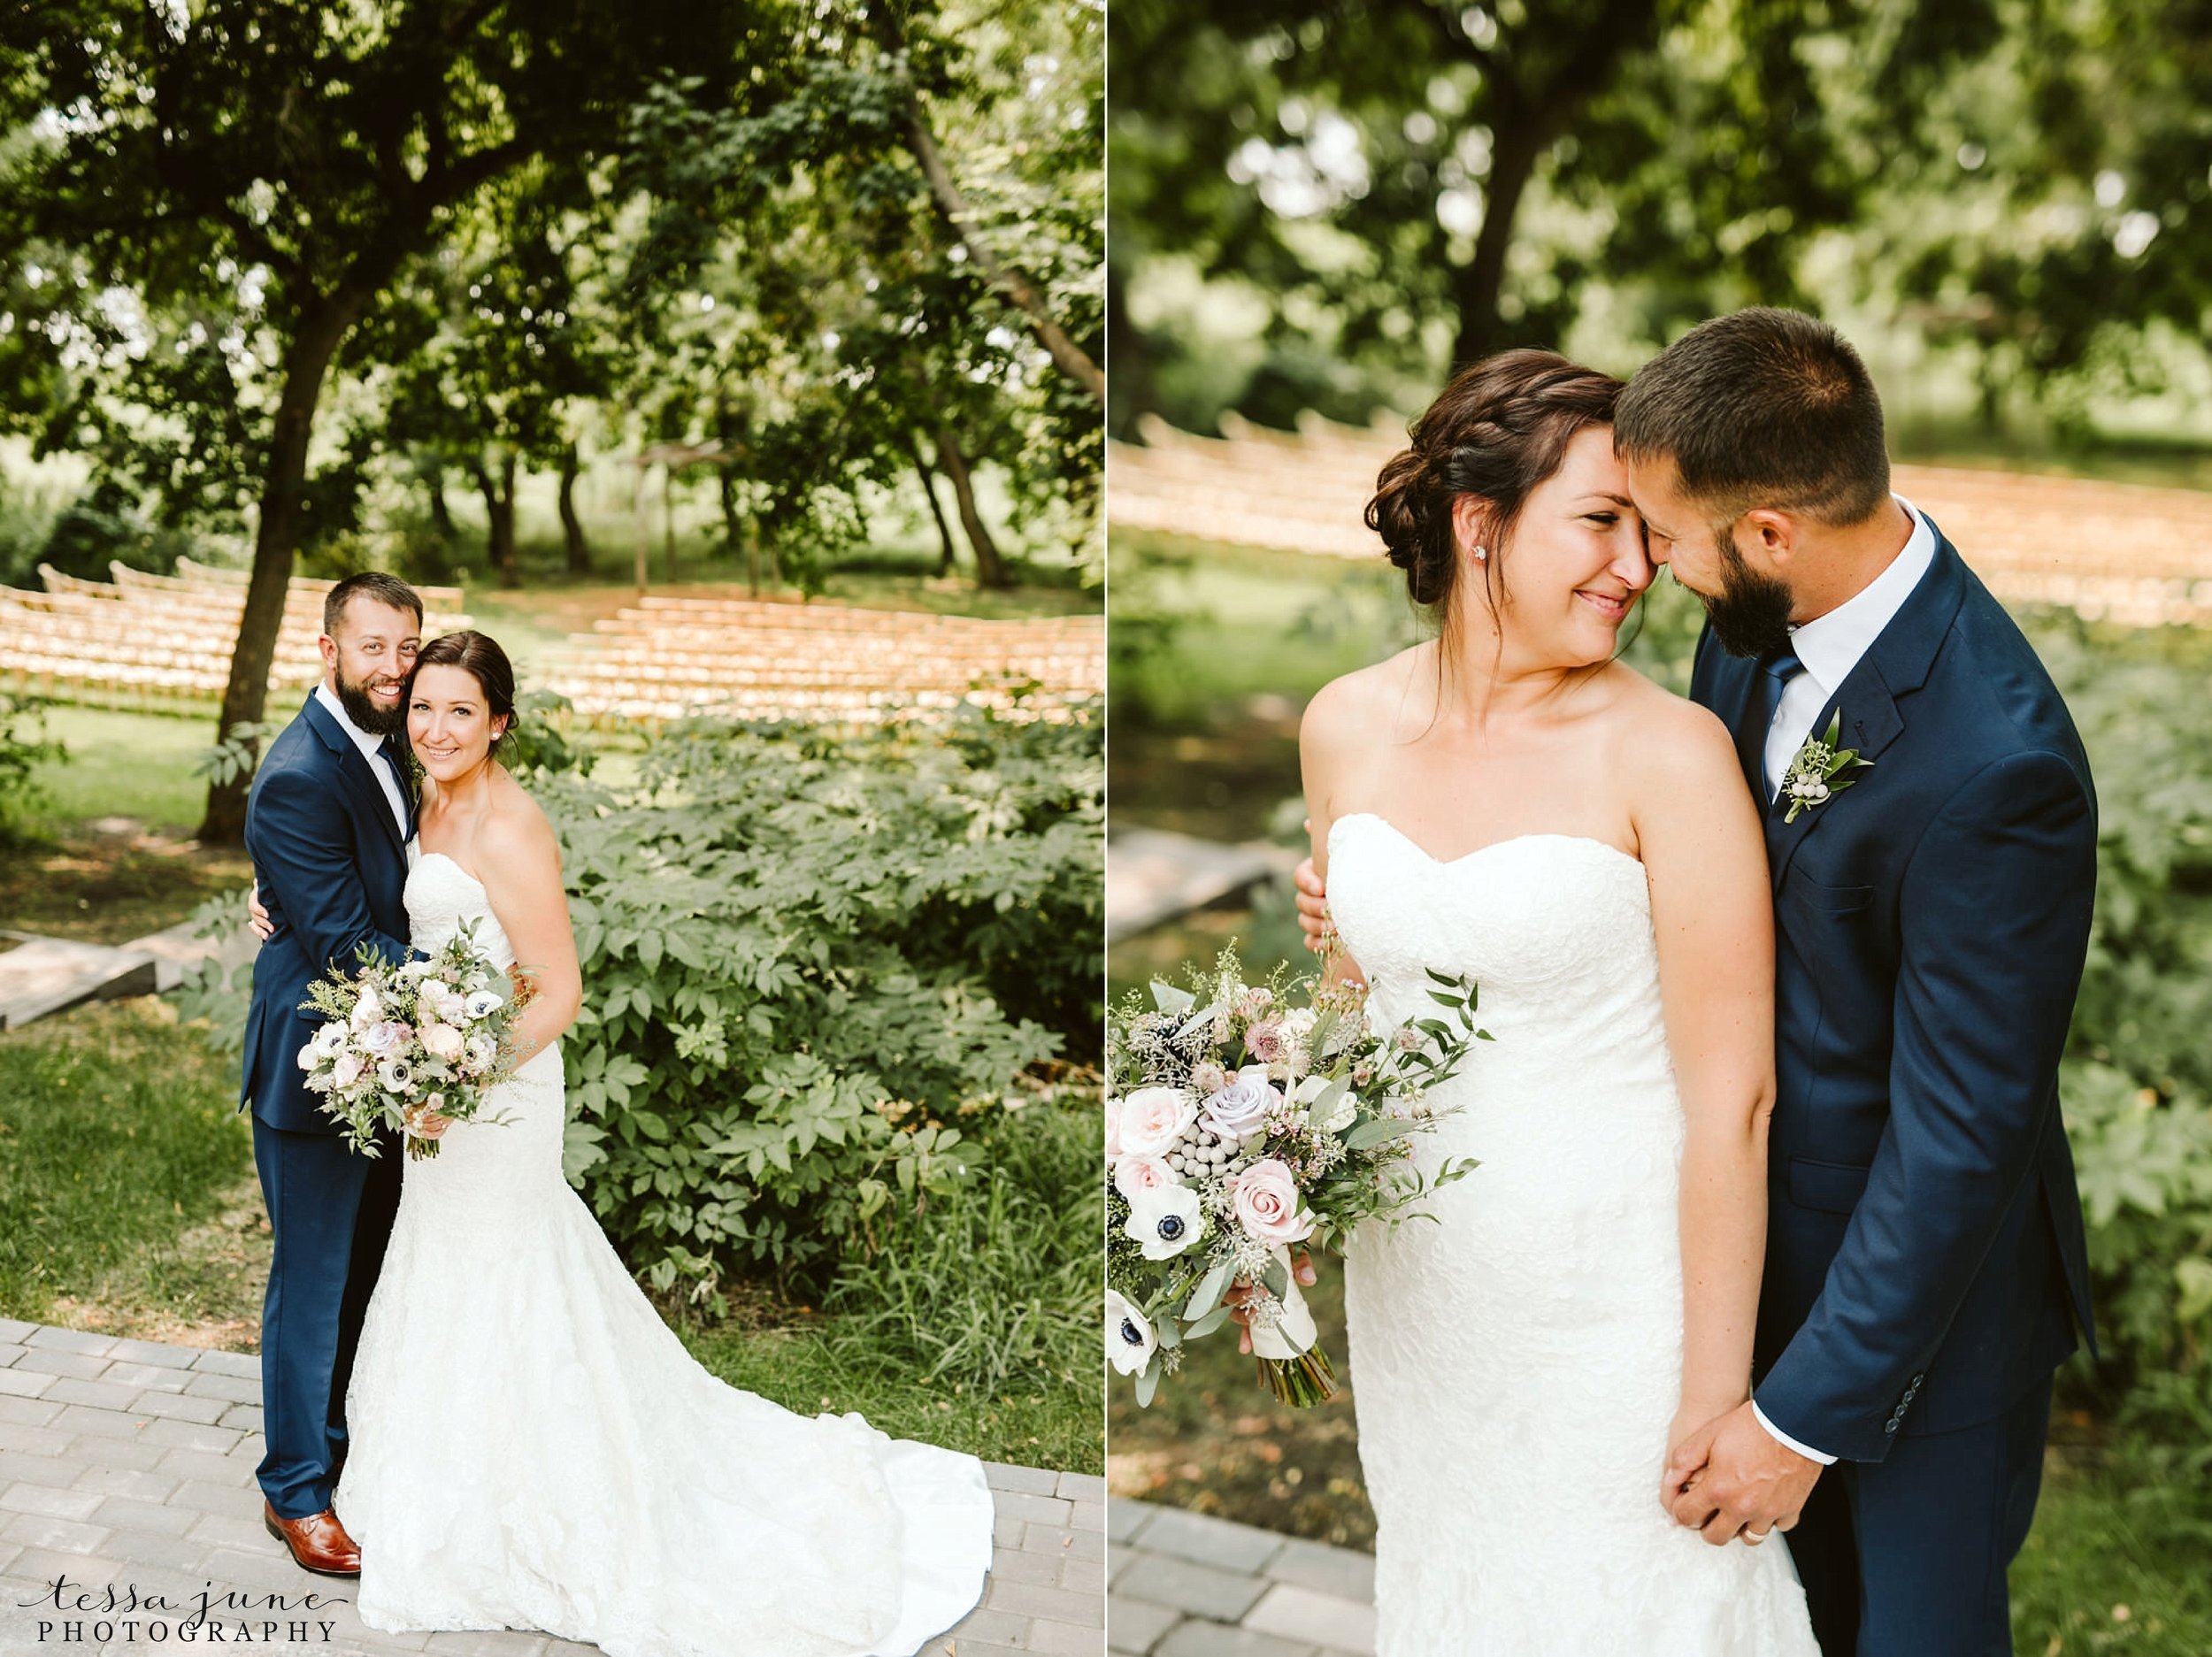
[(1830, 646), (370, 745)]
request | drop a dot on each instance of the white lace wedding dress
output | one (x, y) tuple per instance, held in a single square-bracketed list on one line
[(532, 1448), (1515, 1365)]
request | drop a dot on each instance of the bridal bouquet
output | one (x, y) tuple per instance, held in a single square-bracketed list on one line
[(401, 1042), (1239, 1124)]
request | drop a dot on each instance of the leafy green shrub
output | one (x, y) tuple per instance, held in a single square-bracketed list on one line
[(807, 958), (2137, 1081), (24, 745), (107, 523), (995, 1283)]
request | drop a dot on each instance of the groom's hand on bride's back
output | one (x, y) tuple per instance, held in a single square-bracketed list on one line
[(1313, 914), (1313, 904)]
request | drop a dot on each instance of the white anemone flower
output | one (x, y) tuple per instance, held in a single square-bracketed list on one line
[(1130, 1338), (1165, 1222)]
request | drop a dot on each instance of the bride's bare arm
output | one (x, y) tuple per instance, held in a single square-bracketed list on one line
[(1713, 916), (1327, 736), (520, 862)]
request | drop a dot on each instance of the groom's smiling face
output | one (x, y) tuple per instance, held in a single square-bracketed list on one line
[(1744, 595), (367, 661)]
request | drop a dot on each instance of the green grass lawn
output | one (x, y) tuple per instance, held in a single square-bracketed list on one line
[(103, 852), (128, 1206)]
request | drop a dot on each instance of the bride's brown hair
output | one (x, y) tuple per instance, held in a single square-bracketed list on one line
[(1497, 431)]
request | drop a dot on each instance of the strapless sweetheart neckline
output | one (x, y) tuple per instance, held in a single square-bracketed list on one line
[(1479, 851)]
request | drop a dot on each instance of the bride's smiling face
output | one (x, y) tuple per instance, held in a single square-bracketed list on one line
[(450, 721), (1575, 563)]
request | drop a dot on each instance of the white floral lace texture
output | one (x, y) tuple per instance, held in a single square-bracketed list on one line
[(1515, 1365)]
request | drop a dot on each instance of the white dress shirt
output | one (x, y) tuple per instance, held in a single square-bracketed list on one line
[(1830, 647), (371, 750)]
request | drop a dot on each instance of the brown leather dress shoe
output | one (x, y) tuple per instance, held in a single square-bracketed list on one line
[(319, 1542)]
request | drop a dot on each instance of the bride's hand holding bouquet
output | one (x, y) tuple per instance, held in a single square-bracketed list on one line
[(413, 1048)]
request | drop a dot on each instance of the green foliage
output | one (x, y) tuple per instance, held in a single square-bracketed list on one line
[(106, 525), (2137, 1085), (994, 1285), (24, 745), (811, 959)]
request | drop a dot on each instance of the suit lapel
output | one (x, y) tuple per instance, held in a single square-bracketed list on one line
[(1894, 666), (367, 794), (1735, 698)]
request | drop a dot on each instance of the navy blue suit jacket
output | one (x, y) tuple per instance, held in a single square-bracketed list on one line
[(333, 869), (1926, 1261)]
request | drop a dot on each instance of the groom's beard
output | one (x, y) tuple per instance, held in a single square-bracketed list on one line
[(1751, 612), (354, 697)]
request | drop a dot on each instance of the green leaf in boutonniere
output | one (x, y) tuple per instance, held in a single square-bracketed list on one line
[(1821, 770)]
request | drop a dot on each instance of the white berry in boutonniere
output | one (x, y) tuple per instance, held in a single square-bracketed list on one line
[(1821, 770)]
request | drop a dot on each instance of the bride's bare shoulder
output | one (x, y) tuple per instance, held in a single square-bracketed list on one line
[(516, 828), (1362, 705), (1647, 714)]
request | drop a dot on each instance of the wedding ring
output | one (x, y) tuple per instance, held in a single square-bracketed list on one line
[(1752, 1538)]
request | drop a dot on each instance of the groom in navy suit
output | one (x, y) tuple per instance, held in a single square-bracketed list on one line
[(327, 825), (1926, 1267)]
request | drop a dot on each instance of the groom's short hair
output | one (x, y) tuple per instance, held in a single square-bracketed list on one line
[(384, 589), (1762, 407)]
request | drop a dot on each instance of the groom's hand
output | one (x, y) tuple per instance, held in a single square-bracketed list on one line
[(260, 923), (1313, 904), (1239, 1295), (1749, 1482), (1313, 915)]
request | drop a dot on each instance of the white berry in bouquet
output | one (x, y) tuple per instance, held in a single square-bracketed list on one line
[(1244, 1119)]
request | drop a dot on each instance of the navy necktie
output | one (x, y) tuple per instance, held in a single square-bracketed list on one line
[(1774, 673), (389, 755)]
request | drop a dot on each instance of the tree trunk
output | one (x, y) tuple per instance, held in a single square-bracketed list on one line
[(276, 538), (936, 508), (990, 568), (441, 514), (738, 535), (499, 511), (571, 525), (1476, 285), (641, 521), (1067, 355), (1008, 279), (668, 523)]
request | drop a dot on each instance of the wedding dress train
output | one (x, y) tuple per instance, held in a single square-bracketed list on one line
[(1516, 1365), (532, 1447)]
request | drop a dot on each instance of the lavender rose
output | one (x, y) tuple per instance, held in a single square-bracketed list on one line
[(1239, 1112)]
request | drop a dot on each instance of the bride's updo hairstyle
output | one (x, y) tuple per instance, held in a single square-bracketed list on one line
[(478, 656), (1500, 429)]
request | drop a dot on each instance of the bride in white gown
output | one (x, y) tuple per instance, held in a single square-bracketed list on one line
[(1509, 803), (531, 1447)]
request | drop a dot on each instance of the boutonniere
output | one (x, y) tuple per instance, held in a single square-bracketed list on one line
[(1821, 770)]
